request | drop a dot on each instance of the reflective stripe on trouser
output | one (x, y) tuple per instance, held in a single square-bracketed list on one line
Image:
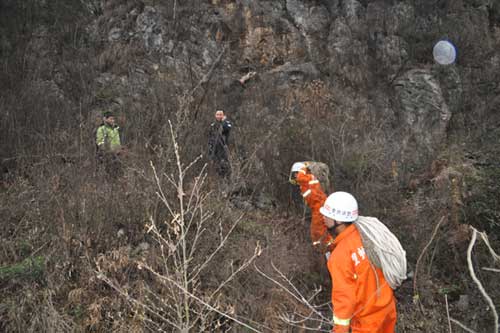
[(340, 321)]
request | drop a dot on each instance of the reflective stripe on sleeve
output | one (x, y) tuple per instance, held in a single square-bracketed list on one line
[(315, 181), (306, 193), (339, 321)]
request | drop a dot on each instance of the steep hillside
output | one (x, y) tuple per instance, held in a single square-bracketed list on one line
[(168, 245)]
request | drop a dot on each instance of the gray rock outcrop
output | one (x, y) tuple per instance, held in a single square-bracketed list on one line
[(423, 113)]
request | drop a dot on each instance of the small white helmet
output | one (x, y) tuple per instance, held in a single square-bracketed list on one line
[(297, 166), (340, 206)]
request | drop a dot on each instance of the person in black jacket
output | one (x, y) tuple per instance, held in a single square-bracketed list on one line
[(218, 140)]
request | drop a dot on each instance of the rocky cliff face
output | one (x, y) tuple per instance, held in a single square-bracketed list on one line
[(346, 82), (362, 63)]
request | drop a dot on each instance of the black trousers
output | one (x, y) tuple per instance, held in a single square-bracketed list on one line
[(220, 159)]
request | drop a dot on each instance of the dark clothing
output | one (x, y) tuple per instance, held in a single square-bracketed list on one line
[(219, 134), (110, 163), (218, 152)]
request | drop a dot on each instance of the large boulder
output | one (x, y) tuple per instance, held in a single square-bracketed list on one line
[(423, 114)]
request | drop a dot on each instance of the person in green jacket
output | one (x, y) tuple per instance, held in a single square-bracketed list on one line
[(109, 145), (108, 135)]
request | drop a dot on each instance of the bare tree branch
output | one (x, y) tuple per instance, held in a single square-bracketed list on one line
[(476, 280), (462, 325)]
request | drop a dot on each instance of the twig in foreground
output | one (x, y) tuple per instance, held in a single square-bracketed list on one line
[(476, 280), (456, 322)]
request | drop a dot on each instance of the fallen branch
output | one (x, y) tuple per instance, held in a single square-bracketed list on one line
[(465, 328), (447, 312), (476, 280), (490, 269), (495, 256)]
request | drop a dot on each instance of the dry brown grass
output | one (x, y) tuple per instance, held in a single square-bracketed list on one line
[(54, 205)]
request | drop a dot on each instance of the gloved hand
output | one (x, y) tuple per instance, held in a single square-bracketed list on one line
[(323, 246), (320, 247)]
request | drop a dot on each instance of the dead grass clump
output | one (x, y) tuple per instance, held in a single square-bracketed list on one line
[(33, 310)]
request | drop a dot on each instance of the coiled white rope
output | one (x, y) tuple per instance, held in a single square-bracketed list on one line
[(383, 249)]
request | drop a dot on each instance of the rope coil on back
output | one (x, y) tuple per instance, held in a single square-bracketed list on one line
[(383, 249)]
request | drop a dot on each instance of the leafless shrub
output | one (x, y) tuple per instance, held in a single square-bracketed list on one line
[(306, 313), (182, 304)]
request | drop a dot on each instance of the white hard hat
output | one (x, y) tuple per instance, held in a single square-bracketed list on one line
[(297, 166), (340, 206), (444, 52)]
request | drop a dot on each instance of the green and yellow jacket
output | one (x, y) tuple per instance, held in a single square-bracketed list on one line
[(108, 138)]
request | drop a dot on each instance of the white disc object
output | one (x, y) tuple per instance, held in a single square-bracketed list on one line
[(444, 52)]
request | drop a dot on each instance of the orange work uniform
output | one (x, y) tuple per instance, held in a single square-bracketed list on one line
[(361, 297), (313, 194)]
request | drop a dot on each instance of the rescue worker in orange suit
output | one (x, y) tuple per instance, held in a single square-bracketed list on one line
[(313, 195), (362, 300)]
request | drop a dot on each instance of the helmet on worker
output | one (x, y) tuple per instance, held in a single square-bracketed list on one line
[(296, 167), (341, 207)]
